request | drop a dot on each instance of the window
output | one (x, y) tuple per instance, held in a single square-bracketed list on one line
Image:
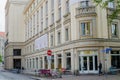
[(46, 22), (59, 13), (46, 7), (33, 63), (52, 39), (36, 63), (66, 34), (41, 13), (115, 59), (68, 61), (33, 47), (59, 37), (37, 17), (114, 30), (52, 5), (84, 3), (85, 28), (111, 5), (52, 19), (59, 2), (41, 26), (67, 6), (17, 52)]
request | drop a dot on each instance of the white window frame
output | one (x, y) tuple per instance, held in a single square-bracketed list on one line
[(81, 30), (116, 29)]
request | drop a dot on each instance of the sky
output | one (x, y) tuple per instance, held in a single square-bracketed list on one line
[(2, 15)]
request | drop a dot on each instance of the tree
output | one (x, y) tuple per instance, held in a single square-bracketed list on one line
[(104, 4), (0, 58)]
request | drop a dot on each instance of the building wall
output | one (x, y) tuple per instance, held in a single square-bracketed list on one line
[(99, 38), (15, 30), (75, 33)]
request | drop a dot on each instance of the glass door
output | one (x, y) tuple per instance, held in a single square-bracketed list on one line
[(88, 64), (85, 64)]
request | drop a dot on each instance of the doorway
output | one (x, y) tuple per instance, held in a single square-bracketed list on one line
[(17, 63), (88, 64)]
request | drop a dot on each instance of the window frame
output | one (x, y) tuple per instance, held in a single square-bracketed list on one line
[(116, 29), (90, 28)]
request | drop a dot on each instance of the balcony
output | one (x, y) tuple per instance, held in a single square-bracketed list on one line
[(85, 11)]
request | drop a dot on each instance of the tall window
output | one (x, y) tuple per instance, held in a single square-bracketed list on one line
[(33, 63), (33, 47), (41, 26), (68, 61), (85, 28), (36, 63), (114, 30), (66, 34), (52, 19), (67, 6), (59, 13), (59, 37), (37, 21), (41, 13), (46, 22), (52, 5), (59, 2), (52, 39), (85, 3), (46, 7), (115, 59), (33, 24)]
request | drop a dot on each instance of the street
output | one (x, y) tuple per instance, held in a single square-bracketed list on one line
[(5, 75)]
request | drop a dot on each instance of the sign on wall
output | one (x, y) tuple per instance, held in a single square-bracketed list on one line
[(41, 42), (74, 1)]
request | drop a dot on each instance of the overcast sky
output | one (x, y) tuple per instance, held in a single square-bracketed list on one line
[(2, 13)]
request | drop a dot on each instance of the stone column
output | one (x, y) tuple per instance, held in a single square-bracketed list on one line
[(43, 60), (55, 61), (72, 60), (76, 60), (49, 62), (63, 59), (35, 63), (38, 62)]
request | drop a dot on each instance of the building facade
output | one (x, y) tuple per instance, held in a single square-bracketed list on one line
[(2, 47), (76, 31), (15, 36)]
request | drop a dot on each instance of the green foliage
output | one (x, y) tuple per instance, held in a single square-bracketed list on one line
[(0, 58), (104, 4)]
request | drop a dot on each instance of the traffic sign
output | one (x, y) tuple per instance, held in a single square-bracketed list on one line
[(49, 52)]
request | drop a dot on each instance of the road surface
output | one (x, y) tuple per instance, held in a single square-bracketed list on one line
[(5, 75)]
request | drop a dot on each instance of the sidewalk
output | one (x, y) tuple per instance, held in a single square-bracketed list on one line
[(84, 77)]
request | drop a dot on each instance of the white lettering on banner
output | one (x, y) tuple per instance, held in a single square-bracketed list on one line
[(41, 42)]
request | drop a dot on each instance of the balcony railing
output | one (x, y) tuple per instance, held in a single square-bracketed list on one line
[(85, 11)]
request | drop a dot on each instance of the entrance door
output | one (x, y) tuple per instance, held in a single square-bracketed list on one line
[(17, 63), (88, 64)]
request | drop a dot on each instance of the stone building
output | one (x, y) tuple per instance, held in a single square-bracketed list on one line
[(76, 31)]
